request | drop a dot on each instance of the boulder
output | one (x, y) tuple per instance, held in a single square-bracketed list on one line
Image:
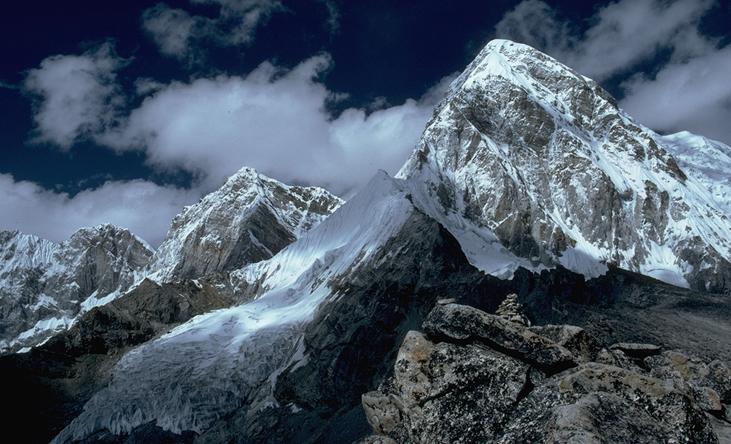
[(476, 377), (636, 350), (460, 323), (575, 339)]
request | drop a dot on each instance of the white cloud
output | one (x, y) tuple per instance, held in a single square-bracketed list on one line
[(693, 95), (621, 34), (143, 207), (274, 121), (170, 28), (179, 34), (629, 31), (689, 89), (75, 96)]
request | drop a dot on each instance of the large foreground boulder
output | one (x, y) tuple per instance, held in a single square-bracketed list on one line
[(477, 377)]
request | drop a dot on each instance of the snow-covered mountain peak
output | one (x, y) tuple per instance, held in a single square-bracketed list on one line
[(525, 150), (249, 219), (44, 285)]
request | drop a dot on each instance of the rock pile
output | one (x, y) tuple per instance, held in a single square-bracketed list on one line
[(476, 377), (512, 310)]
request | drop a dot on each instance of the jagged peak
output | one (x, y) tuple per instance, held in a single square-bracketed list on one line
[(106, 231), (249, 181)]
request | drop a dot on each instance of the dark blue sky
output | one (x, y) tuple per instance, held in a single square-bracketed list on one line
[(391, 49), (381, 52)]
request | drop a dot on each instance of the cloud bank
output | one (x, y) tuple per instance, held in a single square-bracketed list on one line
[(688, 90), (273, 119), (144, 208)]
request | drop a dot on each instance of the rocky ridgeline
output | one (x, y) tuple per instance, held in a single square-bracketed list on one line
[(475, 377)]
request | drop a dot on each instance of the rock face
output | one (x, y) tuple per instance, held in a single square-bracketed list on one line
[(528, 152), (249, 219), (457, 387), (44, 285)]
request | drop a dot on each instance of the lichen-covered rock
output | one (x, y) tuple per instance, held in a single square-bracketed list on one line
[(575, 339), (442, 392), (710, 383), (636, 350), (456, 385), (463, 323)]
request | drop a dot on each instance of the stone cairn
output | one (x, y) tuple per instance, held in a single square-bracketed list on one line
[(512, 310)]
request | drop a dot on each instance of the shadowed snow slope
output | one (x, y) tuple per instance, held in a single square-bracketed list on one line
[(541, 157)]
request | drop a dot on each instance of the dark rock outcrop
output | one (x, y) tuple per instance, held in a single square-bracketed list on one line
[(452, 385)]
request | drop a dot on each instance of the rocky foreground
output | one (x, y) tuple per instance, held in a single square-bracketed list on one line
[(470, 376)]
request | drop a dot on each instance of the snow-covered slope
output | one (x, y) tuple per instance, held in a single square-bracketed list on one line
[(218, 362), (249, 219), (705, 160), (45, 285), (528, 152)]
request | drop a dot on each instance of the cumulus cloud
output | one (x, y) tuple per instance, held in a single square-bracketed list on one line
[(688, 90), (275, 121), (621, 34), (693, 95), (143, 207), (182, 35), (74, 96)]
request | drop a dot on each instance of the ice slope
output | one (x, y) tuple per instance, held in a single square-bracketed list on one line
[(45, 285), (528, 152), (218, 362), (249, 219)]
